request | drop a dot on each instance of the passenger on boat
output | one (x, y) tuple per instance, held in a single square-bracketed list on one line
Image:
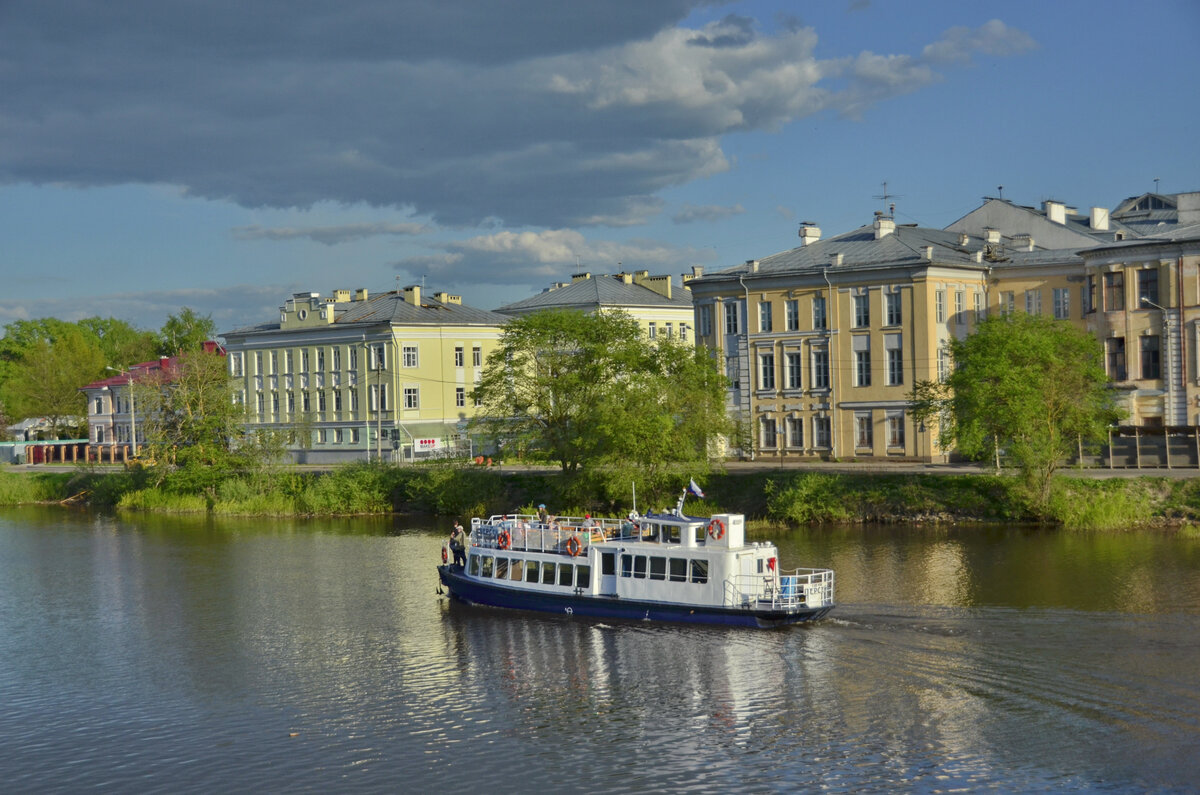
[(543, 514), (588, 521), (458, 544)]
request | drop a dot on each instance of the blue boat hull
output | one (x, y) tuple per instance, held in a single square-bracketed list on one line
[(481, 593)]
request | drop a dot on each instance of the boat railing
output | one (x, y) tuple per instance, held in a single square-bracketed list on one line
[(526, 533), (802, 588)]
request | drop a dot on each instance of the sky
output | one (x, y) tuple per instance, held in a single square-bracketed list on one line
[(219, 155)]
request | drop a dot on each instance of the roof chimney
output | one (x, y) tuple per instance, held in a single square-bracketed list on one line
[(884, 226), (580, 277), (1055, 211), (1187, 205), (835, 258), (341, 296), (412, 294), (928, 252), (963, 238), (1023, 242), (446, 298), (1099, 219), (752, 265), (360, 294), (991, 235), (809, 233)]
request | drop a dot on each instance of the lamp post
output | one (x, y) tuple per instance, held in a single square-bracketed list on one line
[(132, 416)]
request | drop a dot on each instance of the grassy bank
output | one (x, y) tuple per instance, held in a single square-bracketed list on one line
[(796, 498)]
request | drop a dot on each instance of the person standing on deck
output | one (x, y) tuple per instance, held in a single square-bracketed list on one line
[(458, 544), (543, 514)]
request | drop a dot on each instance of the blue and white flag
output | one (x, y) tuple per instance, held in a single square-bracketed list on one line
[(694, 489)]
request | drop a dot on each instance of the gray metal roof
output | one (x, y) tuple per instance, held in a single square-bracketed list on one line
[(392, 308), (600, 291), (861, 249)]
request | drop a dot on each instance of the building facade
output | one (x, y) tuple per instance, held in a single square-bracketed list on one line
[(356, 376)]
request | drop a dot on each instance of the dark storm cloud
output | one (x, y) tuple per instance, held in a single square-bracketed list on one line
[(533, 112)]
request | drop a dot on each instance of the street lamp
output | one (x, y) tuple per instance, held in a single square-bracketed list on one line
[(1166, 321), (132, 416)]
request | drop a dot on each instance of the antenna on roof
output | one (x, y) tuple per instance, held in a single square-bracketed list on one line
[(885, 196), (1000, 191), (1156, 184)]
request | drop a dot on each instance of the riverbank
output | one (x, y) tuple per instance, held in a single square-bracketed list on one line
[(795, 497)]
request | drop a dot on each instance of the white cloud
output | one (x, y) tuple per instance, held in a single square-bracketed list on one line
[(691, 213)]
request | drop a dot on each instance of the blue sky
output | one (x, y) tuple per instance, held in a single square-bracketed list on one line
[(222, 155)]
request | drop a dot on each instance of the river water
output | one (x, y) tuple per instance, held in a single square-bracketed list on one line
[(150, 654)]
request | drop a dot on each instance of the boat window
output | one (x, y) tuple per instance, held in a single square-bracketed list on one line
[(583, 576), (531, 571), (501, 568), (475, 565), (658, 568), (699, 571), (608, 563), (639, 566), (566, 574), (760, 565), (517, 571), (627, 565), (487, 567), (671, 534), (547, 573), (698, 531), (678, 569)]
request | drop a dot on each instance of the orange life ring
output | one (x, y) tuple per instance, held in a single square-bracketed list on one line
[(716, 529), (445, 556), (573, 546), (504, 540)]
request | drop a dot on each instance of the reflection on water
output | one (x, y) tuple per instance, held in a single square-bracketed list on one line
[(159, 654)]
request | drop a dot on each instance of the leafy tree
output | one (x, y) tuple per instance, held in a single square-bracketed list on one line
[(592, 390), (1026, 384), (190, 417), (185, 332), (122, 344), (44, 381), (21, 336)]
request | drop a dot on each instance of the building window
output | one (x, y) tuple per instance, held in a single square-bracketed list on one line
[(862, 368), (821, 432), (353, 400), (459, 358), (321, 401), (320, 360), (337, 435), (1089, 295), (305, 401), (1150, 358), (1115, 353), (258, 363), (354, 436), (862, 311), (863, 430), (820, 369), (409, 353), (669, 330), (895, 367), (1033, 302), (943, 365), (235, 363), (411, 397), (304, 361), (1008, 303), (768, 432), (291, 402), (652, 329), (791, 313), (322, 436), (705, 320), (683, 332), (1147, 286), (379, 397), (939, 301), (764, 316), (794, 362), (980, 311), (819, 321), (353, 358), (766, 369), (477, 356), (731, 317), (795, 432), (337, 360), (337, 400), (894, 316), (1114, 290), (378, 356), (960, 306), (275, 403), (261, 403), (733, 372), (1062, 303), (274, 361), (460, 396), (895, 430)]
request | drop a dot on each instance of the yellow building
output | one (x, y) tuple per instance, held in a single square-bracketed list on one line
[(354, 375), (660, 306), (822, 343)]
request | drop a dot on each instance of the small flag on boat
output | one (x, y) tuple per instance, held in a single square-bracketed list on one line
[(694, 489)]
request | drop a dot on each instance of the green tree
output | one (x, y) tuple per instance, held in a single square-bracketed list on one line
[(122, 344), (191, 418), (185, 332), (592, 390), (1026, 384), (45, 380)]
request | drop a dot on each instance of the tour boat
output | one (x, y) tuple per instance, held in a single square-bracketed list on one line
[(657, 567)]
